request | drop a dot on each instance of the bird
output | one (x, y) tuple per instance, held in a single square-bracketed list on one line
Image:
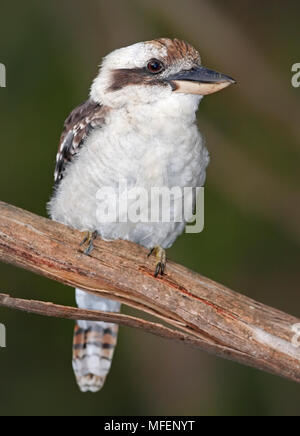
[(138, 124)]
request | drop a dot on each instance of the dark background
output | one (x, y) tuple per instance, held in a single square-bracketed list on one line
[(252, 234)]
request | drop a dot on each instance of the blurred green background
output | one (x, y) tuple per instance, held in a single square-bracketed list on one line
[(252, 235)]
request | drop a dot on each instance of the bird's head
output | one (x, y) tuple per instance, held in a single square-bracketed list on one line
[(150, 71)]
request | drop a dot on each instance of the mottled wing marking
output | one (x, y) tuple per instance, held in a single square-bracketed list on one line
[(77, 127)]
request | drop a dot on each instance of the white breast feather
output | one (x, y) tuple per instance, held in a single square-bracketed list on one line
[(148, 145)]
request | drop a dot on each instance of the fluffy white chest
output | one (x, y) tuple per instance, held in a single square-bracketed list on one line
[(148, 147)]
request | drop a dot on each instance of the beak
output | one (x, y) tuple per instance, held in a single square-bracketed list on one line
[(199, 80)]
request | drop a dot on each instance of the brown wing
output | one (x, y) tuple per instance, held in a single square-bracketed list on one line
[(78, 125)]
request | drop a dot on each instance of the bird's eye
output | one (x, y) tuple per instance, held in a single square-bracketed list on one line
[(155, 66)]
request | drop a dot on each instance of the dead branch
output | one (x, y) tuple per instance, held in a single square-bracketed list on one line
[(73, 313), (200, 311)]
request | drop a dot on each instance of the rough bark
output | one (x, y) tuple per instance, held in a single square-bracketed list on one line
[(200, 311)]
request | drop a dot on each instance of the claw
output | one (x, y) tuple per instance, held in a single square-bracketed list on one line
[(89, 237), (85, 239), (159, 269), (150, 252), (161, 260), (89, 249)]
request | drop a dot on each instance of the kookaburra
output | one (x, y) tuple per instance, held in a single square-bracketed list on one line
[(139, 124)]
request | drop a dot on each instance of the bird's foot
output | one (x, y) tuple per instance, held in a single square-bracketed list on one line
[(161, 257), (89, 238)]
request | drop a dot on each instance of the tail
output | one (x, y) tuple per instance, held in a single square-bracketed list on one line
[(94, 343)]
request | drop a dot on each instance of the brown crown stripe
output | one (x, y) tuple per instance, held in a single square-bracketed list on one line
[(176, 50)]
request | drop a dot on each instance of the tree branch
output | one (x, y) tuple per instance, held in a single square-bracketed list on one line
[(73, 313), (201, 312)]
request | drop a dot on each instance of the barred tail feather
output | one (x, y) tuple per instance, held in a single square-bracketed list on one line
[(93, 350), (94, 343)]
